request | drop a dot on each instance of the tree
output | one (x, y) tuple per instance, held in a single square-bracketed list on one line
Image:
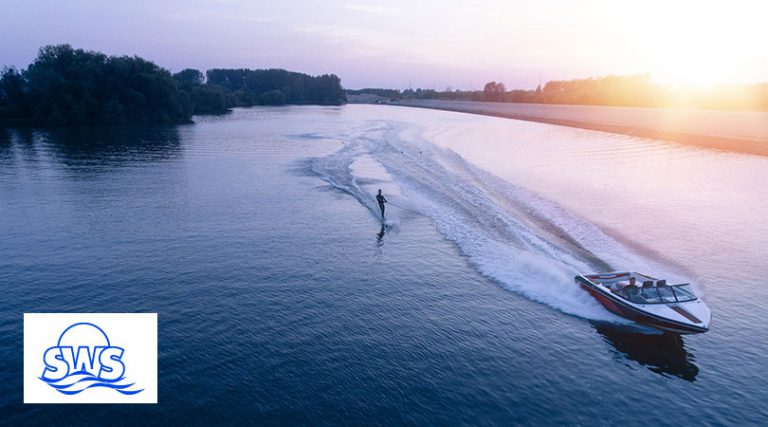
[(209, 100), (189, 78), (272, 97), (12, 94), (66, 86), (494, 91), (248, 86)]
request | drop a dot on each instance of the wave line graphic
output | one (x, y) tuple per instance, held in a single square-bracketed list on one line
[(80, 381)]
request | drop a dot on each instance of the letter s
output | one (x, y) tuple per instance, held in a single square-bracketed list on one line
[(112, 368), (55, 366)]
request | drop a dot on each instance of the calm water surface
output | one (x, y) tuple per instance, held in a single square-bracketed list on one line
[(281, 299)]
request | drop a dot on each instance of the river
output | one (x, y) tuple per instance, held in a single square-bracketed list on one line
[(282, 299)]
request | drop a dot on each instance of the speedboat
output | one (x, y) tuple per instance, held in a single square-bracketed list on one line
[(649, 301)]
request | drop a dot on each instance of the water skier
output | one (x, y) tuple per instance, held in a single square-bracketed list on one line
[(381, 200)]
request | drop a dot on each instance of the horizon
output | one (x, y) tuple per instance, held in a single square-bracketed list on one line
[(378, 44)]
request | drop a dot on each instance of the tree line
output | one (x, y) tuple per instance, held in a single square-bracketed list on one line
[(635, 90), (66, 86)]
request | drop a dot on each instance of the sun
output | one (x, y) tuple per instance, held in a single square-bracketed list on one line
[(702, 43), (691, 70)]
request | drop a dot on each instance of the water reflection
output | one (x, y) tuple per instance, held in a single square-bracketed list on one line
[(5, 144), (5, 136), (662, 353), (89, 148), (380, 235)]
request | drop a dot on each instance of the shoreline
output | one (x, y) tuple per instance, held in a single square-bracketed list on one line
[(656, 123)]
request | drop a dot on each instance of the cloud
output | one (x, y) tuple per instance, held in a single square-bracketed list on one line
[(208, 16), (371, 9), (362, 41)]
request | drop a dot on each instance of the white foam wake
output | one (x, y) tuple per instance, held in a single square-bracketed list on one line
[(527, 244)]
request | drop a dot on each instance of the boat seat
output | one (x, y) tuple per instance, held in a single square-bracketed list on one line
[(661, 283), (648, 283)]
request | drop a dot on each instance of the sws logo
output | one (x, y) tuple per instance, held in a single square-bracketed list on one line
[(90, 358), (84, 358)]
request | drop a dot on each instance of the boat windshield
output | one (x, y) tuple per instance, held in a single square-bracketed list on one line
[(632, 293), (667, 294), (651, 295), (657, 295), (684, 293)]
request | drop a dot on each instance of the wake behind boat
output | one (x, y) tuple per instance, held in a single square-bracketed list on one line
[(649, 301)]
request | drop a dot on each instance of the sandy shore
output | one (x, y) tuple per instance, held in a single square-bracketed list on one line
[(737, 131)]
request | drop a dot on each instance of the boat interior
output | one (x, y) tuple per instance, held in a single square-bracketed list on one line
[(643, 289)]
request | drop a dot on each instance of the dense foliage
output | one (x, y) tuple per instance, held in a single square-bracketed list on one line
[(66, 86), (637, 90), (71, 86), (276, 87)]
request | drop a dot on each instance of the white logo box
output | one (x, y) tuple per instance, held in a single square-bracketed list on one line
[(90, 357)]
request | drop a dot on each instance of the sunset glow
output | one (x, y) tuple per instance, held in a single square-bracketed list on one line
[(404, 44), (705, 44)]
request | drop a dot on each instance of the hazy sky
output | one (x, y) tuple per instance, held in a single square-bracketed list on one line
[(401, 43)]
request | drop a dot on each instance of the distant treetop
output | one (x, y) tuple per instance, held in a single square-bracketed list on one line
[(638, 90)]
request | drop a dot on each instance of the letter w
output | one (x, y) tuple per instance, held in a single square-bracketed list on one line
[(83, 361)]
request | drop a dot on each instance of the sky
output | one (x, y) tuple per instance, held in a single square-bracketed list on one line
[(459, 44)]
